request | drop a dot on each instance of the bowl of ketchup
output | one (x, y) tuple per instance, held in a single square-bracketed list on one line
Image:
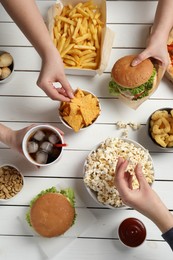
[(132, 232)]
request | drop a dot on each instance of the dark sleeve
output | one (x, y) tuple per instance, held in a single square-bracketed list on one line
[(168, 236)]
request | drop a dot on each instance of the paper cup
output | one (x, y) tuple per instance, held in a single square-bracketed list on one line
[(42, 152)]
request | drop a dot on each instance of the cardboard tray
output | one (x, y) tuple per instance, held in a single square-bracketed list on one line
[(107, 35)]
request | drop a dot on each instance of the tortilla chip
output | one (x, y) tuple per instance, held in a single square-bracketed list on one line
[(74, 121), (79, 93), (81, 111), (73, 109)]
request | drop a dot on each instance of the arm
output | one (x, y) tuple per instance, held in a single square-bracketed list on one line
[(13, 138), (144, 199), (28, 18), (157, 43)]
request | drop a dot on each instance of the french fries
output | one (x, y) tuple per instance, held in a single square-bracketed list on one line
[(77, 35)]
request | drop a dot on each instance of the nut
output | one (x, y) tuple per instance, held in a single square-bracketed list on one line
[(11, 182)]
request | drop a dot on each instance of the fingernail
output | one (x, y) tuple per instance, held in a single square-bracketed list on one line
[(134, 63), (71, 95)]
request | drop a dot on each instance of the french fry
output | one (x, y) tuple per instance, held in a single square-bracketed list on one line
[(84, 47), (77, 35), (82, 38), (66, 20), (90, 65), (66, 50), (77, 28), (61, 44), (88, 56), (74, 52), (70, 62)]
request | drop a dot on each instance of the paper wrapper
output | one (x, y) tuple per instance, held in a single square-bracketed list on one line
[(106, 39), (169, 71), (49, 247), (134, 104)]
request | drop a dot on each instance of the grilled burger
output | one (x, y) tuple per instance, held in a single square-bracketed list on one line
[(52, 212), (132, 82)]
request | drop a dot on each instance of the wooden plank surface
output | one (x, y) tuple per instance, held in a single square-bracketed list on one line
[(23, 103)]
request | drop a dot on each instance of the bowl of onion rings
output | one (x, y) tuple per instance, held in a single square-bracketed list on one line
[(160, 127)]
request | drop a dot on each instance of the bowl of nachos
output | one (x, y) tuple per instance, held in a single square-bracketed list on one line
[(81, 112)]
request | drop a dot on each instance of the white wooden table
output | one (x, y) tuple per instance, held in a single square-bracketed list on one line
[(23, 103)]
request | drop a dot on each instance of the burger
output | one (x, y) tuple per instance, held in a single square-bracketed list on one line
[(52, 212), (132, 82)]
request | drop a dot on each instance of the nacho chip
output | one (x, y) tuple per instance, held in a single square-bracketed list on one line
[(73, 109), (79, 93), (81, 111), (74, 121)]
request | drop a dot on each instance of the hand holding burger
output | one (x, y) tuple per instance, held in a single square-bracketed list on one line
[(133, 82)]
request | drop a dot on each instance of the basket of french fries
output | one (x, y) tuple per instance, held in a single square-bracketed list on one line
[(79, 32)]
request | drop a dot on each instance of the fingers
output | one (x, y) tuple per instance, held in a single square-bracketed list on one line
[(120, 175), (140, 177), (61, 132), (141, 57), (121, 167), (53, 93), (66, 86)]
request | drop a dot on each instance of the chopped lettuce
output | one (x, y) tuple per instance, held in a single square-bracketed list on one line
[(68, 193), (137, 93)]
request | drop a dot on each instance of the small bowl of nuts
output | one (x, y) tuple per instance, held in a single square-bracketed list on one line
[(160, 128), (11, 182), (6, 66)]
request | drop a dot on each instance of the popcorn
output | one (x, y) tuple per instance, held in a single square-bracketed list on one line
[(101, 164), (124, 126)]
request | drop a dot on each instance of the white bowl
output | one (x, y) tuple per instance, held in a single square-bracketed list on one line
[(99, 168), (31, 132), (149, 129), (15, 187), (85, 127), (11, 67)]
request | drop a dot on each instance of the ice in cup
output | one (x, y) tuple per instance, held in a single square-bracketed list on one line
[(39, 145)]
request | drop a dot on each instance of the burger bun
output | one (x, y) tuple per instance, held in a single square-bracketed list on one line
[(52, 215), (128, 76)]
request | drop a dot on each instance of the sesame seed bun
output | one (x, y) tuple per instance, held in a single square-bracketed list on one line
[(52, 215), (129, 76)]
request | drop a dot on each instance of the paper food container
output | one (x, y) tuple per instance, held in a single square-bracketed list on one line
[(169, 71), (107, 36), (134, 104)]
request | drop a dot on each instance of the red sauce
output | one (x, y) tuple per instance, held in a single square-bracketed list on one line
[(132, 232)]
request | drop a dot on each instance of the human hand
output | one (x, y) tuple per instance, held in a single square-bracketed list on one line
[(144, 199), (15, 138), (52, 70), (155, 49)]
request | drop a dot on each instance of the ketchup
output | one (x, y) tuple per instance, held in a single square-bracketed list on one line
[(132, 232)]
